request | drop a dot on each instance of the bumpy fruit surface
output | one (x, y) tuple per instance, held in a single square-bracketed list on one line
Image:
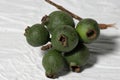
[(36, 35), (57, 18), (88, 30), (77, 57), (53, 63), (64, 38)]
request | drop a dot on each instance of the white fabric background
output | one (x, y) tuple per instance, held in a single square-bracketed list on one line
[(20, 61)]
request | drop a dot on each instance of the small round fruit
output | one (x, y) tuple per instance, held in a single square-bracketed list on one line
[(77, 57), (88, 30), (64, 38), (57, 18), (36, 35), (53, 63)]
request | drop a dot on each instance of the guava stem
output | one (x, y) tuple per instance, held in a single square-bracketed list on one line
[(63, 9), (101, 26), (105, 26)]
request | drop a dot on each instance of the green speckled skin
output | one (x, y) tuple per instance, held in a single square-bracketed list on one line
[(70, 33), (53, 62), (57, 18), (37, 35), (84, 26), (78, 57)]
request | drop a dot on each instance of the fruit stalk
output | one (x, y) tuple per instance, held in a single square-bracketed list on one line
[(105, 26), (101, 26), (63, 9)]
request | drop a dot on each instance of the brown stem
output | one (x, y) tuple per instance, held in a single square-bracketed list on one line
[(102, 26), (63, 9), (105, 26)]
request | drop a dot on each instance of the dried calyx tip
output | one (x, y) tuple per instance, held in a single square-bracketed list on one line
[(76, 69), (51, 76), (26, 30), (28, 27), (63, 40), (46, 47), (44, 19), (91, 34), (24, 34)]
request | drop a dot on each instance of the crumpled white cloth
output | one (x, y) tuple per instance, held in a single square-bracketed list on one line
[(20, 61)]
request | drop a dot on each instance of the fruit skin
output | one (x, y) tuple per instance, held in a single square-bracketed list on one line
[(36, 35), (77, 57), (70, 38), (85, 26), (53, 63), (57, 18)]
